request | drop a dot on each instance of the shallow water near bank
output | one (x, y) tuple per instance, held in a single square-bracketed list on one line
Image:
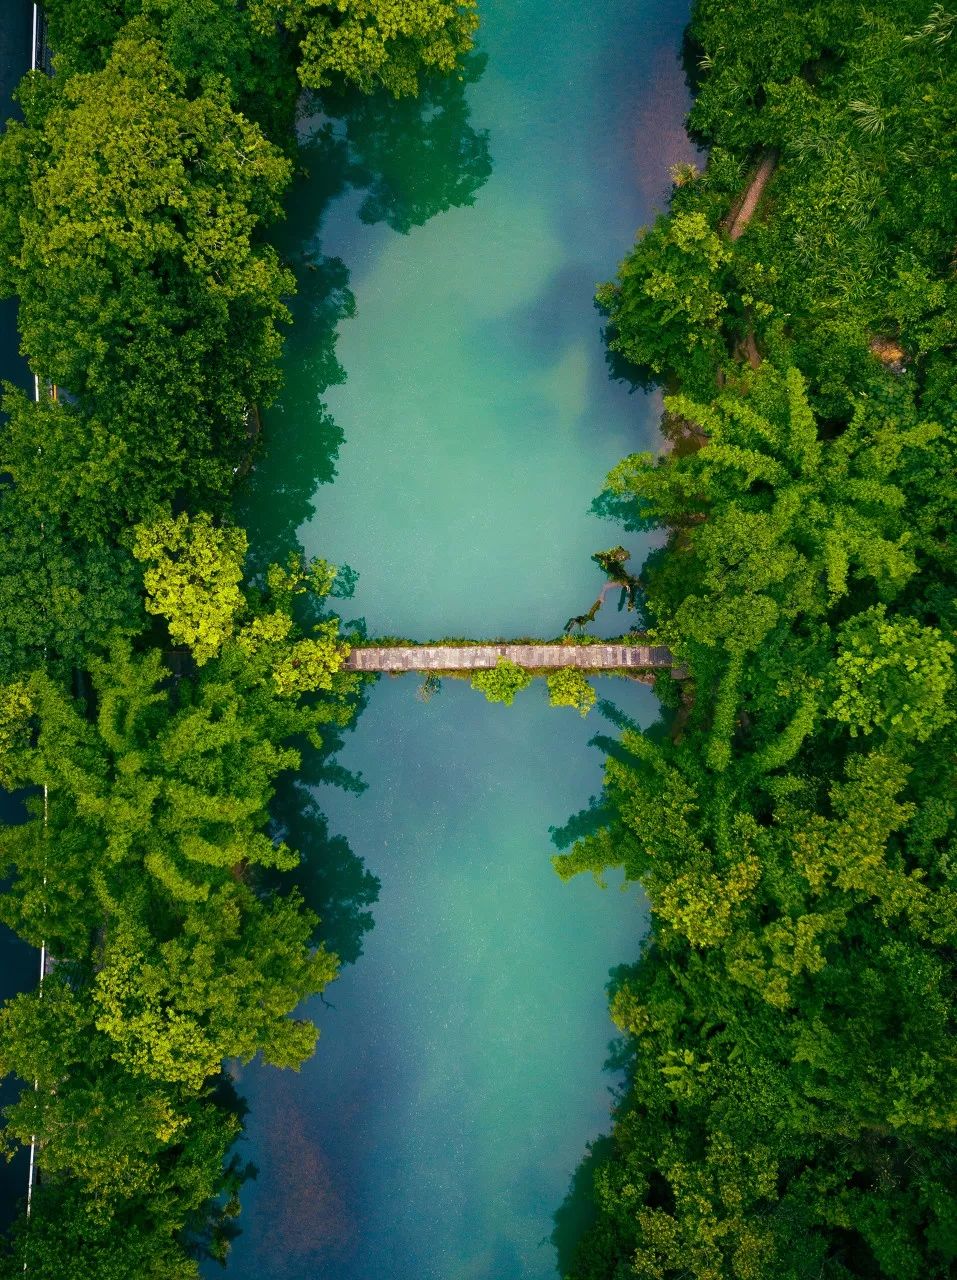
[(466, 416)]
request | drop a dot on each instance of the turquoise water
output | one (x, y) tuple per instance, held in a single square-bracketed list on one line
[(446, 371)]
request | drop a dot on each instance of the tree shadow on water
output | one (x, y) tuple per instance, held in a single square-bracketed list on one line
[(413, 159), (579, 1210), (578, 1213), (334, 881), (420, 156), (210, 1232)]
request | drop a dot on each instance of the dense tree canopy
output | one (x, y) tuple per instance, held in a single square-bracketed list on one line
[(789, 1029), (858, 105), (502, 682), (130, 237), (155, 688), (373, 42)]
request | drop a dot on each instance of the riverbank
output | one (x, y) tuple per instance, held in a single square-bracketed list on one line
[(464, 430), (776, 1121)]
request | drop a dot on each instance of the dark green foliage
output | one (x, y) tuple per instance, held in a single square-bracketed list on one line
[(146, 294), (202, 38), (789, 1031), (154, 862), (854, 237)]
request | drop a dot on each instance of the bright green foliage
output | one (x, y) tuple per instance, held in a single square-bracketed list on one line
[(667, 306), (221, 987), (851, 239), (193, 578), (16, 709), (297, 666), (569, 687), (127, 1163), (789, 1029), (777, 530), (133, 200), (92, 1117), (501, 682), (893, 675), (373, 42), (142, 857), (172, 782), (130, 235)]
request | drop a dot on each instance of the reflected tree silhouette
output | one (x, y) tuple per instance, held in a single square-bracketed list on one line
[(578, 1211), (420, 156), (413, 159), (335, 884), (208, 1235)]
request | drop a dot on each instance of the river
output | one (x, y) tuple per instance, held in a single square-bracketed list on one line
[(466, 416)]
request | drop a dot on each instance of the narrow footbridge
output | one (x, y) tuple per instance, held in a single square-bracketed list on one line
[(479, 657)]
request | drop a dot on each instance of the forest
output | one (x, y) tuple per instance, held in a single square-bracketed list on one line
[(788, 1032), (158, 686), (787, 1036)]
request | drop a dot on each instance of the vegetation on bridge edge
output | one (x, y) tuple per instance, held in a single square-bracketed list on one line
[(463, 642)]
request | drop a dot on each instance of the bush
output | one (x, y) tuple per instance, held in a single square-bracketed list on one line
[(568, 687), (502, 682)]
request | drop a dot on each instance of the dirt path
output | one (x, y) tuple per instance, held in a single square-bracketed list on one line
[(742, 211)]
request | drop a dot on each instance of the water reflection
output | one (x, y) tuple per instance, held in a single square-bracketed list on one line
[(408, 161), (335, 884), (578, 1212), (420, 156), (412, 160)]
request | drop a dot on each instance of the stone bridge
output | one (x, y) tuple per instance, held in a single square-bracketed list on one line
[(479, 657)]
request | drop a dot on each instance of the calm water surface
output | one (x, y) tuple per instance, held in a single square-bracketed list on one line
[(467, 418)]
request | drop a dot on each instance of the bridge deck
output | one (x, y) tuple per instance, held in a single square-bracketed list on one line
[(477, 657)]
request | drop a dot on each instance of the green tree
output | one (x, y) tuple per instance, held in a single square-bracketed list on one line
[(667, 306), (193, 578), (893, 675), (569, 687), (201, 38), (373, 42), (501, 682), (148, 295)]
